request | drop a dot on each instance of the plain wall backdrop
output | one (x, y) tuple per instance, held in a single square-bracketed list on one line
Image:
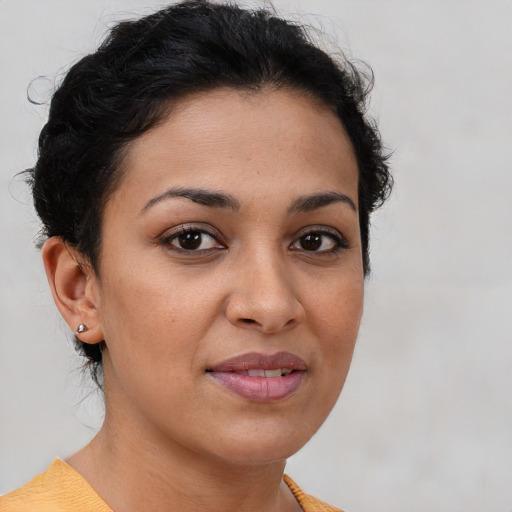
[(425, 420)]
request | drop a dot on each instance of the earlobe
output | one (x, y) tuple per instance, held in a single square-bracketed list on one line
[(74, 289)]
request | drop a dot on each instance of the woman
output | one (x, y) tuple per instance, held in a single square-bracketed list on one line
[(205, 181)]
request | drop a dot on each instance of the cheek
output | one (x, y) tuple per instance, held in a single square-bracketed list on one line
[(150, 330), (337, 310), (157, 318), (335, 316)]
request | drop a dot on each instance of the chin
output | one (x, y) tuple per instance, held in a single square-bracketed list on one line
[(266, 446), (260, 455)]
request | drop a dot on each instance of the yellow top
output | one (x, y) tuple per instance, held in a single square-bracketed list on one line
[(62, 489)]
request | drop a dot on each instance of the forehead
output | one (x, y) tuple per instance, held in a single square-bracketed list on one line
[(250, 142)]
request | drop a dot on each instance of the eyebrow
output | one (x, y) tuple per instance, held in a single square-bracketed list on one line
[(214, 199), (312, 202), (197, 195)]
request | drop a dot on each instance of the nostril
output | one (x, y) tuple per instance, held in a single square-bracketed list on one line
[(248, 321)]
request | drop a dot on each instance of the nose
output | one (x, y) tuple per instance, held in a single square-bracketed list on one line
[(263, 297)]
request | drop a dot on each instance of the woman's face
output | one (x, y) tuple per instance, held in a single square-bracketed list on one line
[(231, 280)]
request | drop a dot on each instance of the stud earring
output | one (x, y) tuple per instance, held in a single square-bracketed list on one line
[(81, 328)]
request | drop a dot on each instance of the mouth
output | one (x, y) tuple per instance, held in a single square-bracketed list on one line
[(259, 377), (260, 372)]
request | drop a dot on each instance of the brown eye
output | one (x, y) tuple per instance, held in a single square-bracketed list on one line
[(193, 240), (190, 241), (311, 242), (319, 242)]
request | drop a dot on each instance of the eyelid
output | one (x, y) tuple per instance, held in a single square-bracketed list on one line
[(200, 227), (320, 228), (336, 235), (192, 226)]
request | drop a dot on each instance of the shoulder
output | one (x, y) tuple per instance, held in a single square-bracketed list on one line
[(306, 501), (59, 489)]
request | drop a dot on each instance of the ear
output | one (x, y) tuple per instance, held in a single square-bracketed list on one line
[(74, 287)]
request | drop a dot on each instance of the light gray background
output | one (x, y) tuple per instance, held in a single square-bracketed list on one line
[(425, 420)]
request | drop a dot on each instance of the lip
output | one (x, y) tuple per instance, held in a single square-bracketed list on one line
[(260, 389)]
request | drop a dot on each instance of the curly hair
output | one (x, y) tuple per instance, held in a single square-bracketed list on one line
[(122, 90)]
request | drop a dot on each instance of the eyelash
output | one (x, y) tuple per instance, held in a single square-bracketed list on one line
[(340, 242), (190, 230)]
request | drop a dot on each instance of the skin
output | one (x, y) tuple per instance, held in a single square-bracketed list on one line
[(171, 433)]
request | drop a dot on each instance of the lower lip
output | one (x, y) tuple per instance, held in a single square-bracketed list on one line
[(260, 389)]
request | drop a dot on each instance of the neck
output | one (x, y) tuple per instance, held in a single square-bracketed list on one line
[(134, 471)]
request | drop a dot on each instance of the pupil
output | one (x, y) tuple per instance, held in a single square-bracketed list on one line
[(190, 240), (311, 242)]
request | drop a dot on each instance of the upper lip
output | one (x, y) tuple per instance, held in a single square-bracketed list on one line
[(256, 360)]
